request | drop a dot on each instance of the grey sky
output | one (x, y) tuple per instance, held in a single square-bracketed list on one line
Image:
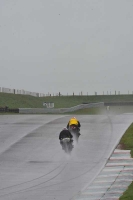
[(67, 45)]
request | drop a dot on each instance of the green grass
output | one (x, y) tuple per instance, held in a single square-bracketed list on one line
[(128, 194), (127, 139), (19, 101), (127, 144), (27, 101)]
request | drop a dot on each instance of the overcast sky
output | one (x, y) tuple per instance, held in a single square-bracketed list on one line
[(51, 46)]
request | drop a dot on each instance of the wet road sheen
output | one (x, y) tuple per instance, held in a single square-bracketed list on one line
[(33, 164)]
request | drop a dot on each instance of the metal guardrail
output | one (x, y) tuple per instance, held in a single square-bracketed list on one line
[(128, 103), (58, 110)]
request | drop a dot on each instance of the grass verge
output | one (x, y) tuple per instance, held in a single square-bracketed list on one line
[(127, 143), (128, 194), (27, 101), (127, 140)]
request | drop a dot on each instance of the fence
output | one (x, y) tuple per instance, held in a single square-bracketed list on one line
[(36, 94), (23, 92)]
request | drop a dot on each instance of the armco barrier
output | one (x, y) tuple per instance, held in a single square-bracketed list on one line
[(128, 103), (58, 110)]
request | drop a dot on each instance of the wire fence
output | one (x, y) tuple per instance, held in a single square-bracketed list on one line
[(23, 92)]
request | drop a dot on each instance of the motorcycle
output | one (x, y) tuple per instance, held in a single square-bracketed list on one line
[(75, 131), (67, 145)]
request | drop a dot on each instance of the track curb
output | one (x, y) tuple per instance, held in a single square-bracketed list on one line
[(113, 180)]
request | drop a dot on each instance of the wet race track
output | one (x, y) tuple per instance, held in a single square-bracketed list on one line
[(33, 165)]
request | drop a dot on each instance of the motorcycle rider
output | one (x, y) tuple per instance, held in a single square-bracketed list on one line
[(74, 121), (65, 133)]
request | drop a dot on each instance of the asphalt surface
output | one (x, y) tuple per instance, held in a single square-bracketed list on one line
[(33, 164)]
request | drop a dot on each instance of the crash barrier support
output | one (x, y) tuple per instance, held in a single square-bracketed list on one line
[(58, 110)]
